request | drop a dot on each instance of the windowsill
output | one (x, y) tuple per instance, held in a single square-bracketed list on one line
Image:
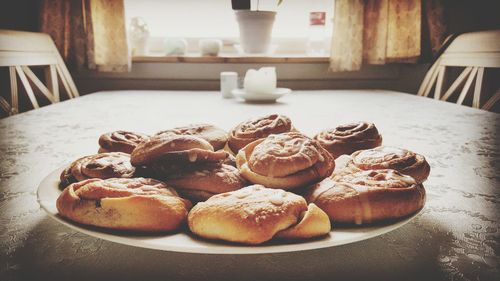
[(231, 58), (206, 76)]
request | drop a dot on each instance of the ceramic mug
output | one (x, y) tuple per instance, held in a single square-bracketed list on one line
[(210, 47)]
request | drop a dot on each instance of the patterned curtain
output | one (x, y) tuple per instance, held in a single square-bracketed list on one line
[(383, 31), (89, 34)]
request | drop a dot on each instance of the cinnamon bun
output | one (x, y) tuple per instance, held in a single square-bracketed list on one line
[(255, 214), (257, 128), (284, 161), (120, 141), (102, 166), (206, 181), (348, 138), (385, 157), (368, 196), (136, 204), (214, 135), (164, 151)]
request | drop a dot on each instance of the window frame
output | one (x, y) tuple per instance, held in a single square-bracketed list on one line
[(289, 49)]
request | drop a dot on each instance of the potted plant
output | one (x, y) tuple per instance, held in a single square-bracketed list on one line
[(255, 26)]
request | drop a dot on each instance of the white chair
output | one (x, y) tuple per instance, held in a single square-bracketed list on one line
[(475, 52), (18, 51)]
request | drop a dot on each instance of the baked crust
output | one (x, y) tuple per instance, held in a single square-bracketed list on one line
[(216, 136), (120, 141), (284, 161), (230, 160), (172, 164), (206, 181), (253, 215), (314, 222), (168, 148), (385, 157), (348, 138), (367, 196), (256, 128), (102, 166), (136, 204)]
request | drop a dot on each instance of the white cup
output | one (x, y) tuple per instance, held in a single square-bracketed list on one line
[(261, 81), (210, 47), (175, 46), (228, 82)]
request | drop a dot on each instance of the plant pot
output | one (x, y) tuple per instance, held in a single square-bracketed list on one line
[(255, 30)]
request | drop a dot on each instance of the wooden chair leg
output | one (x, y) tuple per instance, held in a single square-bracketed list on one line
[(27, 86), (14, 100), (491, 102), (65, 82), (38, 83), (5, 106), (66, 78), (428, 82), (52, 83), (439, 83), (467, 85), (457, 83), (477, 89)]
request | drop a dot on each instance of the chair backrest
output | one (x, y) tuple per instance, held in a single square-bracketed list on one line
[(18, 51), (475, 52)]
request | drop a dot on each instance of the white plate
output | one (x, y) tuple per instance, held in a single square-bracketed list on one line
[(48, 192), (258, 97)]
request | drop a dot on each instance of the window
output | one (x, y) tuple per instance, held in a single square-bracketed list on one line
[(195, 19)]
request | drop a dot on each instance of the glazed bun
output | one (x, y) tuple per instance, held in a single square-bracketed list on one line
[(255, 214), (214, 135), (136, 204), (368, 196), (385, 157), (206, 181), (120, 141), (101, 166), (257, 128), (348, 138), (162, 152), (284, 161)]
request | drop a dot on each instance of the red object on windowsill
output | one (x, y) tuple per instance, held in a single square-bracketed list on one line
[(317, 18)]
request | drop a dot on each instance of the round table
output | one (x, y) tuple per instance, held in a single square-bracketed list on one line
[(455, 236)]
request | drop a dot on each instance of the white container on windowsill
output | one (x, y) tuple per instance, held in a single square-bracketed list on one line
[(175, 46), (139, 36), (255, 30), (209, 47)]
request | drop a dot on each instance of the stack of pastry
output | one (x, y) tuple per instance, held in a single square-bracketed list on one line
[(373, 184), (188, 162), (258, 128), (348, 138), (286, 161), (136, 204), (255, 214), (281, 183)]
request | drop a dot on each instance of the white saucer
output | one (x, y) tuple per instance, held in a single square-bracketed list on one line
[(259, 97)]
